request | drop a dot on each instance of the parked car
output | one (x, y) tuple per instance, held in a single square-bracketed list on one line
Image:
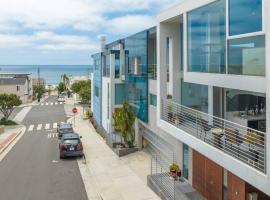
[(70, 146), (64, 128), (61, 98)]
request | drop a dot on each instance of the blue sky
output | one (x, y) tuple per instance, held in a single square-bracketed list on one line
[(35, 32)]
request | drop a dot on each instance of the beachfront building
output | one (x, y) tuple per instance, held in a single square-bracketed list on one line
[(213, 96), (19, 84)]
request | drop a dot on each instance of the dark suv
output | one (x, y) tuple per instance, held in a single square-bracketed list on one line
[(70, 145), (64, 128)]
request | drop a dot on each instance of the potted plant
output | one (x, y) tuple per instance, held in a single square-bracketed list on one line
[(175, 170)]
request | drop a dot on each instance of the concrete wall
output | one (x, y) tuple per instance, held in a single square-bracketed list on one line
[(12, 89)]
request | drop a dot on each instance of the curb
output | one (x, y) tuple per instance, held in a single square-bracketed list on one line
[(10, 142)]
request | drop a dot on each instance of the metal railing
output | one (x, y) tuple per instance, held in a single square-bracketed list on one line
[(243, 143)]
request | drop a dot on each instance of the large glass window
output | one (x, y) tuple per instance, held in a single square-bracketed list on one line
[(246, 56), (194, 96), (206, 38), (107, 66), (245, 16), (119, 94), (185, 160)]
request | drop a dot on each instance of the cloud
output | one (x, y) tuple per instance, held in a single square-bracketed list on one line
[(48, 41), (130, 24)]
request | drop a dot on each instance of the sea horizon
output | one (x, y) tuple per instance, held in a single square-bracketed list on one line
[(51, 73)]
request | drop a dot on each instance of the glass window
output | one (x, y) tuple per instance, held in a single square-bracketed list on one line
[(195, 96), (247, 56), (107, 66), (96, 91), (119, 94), (245, 16), (185, 161), (206, 38), (117, 65), (153, 100)]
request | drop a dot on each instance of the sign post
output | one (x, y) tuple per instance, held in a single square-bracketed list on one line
[(75, 111)]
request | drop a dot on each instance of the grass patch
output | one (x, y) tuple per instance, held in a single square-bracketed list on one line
[(7, 122)]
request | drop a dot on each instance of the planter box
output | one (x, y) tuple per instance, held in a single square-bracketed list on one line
[(124, 151)]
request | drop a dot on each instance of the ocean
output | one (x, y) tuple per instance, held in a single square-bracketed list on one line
[(51, 73)]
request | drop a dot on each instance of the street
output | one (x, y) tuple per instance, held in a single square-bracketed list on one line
[(32, 170)]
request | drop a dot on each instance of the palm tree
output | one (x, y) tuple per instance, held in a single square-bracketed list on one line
[(65, 79)]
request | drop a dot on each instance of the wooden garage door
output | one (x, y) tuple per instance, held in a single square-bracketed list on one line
[(207, 177)]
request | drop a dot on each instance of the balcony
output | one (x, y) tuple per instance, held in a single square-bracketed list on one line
[(245, 144)]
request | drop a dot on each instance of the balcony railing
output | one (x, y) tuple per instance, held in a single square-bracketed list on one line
[(243, 143)]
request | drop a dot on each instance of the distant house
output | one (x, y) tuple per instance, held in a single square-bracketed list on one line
[(36, 81), (19, 84)]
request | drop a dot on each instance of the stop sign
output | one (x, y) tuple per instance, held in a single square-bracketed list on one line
[(74, 110)]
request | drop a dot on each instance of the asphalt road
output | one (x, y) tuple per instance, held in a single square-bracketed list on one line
[(32, 170)]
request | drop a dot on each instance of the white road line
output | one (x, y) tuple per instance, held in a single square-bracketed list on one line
[(49, 135), (31, 128), (47, 104), (39, 127), (47, 126), (52, 135), (51, 104), (54, 125), (61, 103), (42, 104), (56, 103)]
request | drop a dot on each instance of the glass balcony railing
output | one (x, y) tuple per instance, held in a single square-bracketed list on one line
[(243, 143)]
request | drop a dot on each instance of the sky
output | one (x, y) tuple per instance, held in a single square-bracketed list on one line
[(55, 32)]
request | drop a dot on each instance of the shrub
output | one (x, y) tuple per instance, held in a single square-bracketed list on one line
[(7, 122)]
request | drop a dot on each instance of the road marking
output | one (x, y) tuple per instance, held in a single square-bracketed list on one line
[(51, 104), (52, 135), (31, 128), (47, 104), (56, 103), (42, 104), (39, 127), (61, 103), (47, 126), (54, 125)]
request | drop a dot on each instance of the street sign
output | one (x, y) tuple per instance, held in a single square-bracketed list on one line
[(74, 110)]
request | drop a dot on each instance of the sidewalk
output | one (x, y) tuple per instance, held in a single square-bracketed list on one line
[(9, 136), (105, 175)]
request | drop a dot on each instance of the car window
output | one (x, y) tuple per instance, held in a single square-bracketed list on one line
[(65, 126), (71, 141)]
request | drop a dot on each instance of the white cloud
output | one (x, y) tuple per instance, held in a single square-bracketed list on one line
[(130, 23), (48, 41)]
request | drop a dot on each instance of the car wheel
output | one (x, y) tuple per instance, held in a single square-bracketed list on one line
[(62, 157)]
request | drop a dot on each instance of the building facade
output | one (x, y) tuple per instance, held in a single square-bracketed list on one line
[(218, 97), (19, 84), (199, 86)]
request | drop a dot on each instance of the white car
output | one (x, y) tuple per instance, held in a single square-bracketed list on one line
[(61, 99)]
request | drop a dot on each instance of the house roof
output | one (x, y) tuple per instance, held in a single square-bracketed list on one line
[(12, 81)]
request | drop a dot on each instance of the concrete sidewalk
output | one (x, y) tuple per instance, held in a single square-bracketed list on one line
[(105, 175), (9, 136)]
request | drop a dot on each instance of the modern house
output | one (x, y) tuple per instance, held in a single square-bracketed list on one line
[(199, 86), (19, 84), (216, 105)]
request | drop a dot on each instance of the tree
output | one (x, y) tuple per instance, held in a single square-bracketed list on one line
[(8, 103), (83, 88), (61, 87), (38, 91), (85, 95), (65, 79), (124, 119)]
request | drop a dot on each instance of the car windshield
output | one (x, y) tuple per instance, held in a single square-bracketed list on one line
[(71, 141), (65, 126)]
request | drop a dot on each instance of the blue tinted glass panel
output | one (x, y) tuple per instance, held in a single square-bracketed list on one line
[(247, 56), (245, 16), (117, 65), (153, 100), (185, 160), (195, 96), (137, 85), (119, 94), (206, 38)]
